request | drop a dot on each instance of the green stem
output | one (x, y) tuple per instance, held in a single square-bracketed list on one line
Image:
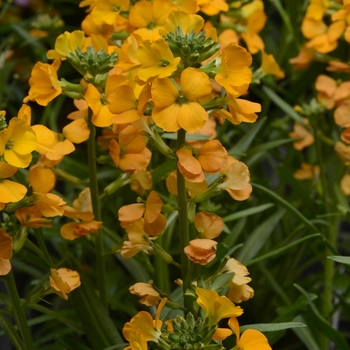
[(93, 184), (19, 314), (36, 250), (183, 221), (40, 238), (327, 303)]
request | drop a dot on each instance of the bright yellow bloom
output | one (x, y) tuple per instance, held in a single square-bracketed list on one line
[(17, 142), (63, 281), (188, 6), (212, 7), (156, 60), (250, 339), (270, 66), (5, 252), (10, 191), (234, 74), (149, 18), (216, 307), (66, 43), (241, 110), (107, 11), (186, 22), (179, 109), (44, 83)]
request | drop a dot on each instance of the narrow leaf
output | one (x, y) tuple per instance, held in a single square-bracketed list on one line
[(11, 332), (340, 259), (70, 344), (272, 327), (247, 212), (258, 237), (305, 335), (335, 336), (282, 249)]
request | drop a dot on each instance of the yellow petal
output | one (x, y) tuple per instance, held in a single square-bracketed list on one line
[(192, 116), (195, 84)]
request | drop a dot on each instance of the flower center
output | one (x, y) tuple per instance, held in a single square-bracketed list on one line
[(9, 144), (163, 62)]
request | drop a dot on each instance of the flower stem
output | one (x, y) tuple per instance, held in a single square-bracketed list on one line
[(18, 311), (183, 221), (93, 184), (42, 245)]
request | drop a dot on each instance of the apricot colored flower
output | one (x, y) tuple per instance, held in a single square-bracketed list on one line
[(342, 114), (201, 251), (141, 180), (17, 142), (44, 83), (299, 131), (63, 281), (345, 184), (208, 225), (130, 152), (32, 217), (154, 221), (149, 296), (216, 307), (135, 242), (307, 172), (74, 230), (180, 109), (239, 290), (43, 181), (5, 252), (66, 43), (343, 152), (250, 339), (304, 58), (156, 60), (10, 191), (326, 88), (234, 73), (236, 181)]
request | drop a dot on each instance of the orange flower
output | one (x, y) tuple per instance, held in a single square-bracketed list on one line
[(107, 11), (302, 61), (63, 281), (343, 152), (345, 184), (149, 296), (5, 252), (154, 221), (141, 181), (201, 251), (130, 153), (299, 131), (44, 83), (241, 110), (32, 217), (270, 66), (307, 172), (208, 225), (73, 230), (212, 7), (250, 339)]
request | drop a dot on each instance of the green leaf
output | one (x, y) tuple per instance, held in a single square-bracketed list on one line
[(272, 327), (173, 136), (281, 103), (324, 327), (282, 249), (244, 143), (269, 145), (70, 344), (11, 331), (99, 328), (258, 237), (287, 205), (222, 280), (305, 335), (247, 212), (119, 346), (340, 259)]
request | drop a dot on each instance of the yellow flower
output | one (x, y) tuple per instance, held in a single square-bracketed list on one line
[(107, 11), (63, 281), (44, 83), (216, 307), (212, 7), (179, 109), (250, 339), (17, 143), (208, 225), (307, 172), (10, 191), (66, 43), (186, 22), (156, 60), (299, 131), (270, 66), (234, 74)]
